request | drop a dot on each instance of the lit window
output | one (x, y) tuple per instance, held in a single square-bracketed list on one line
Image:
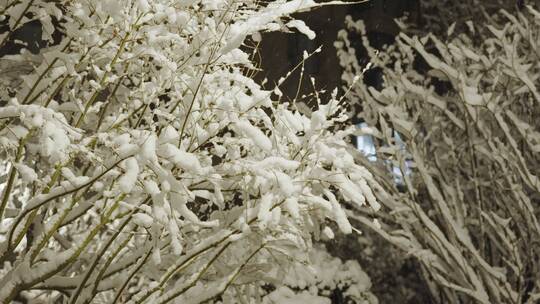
[(366, 145)]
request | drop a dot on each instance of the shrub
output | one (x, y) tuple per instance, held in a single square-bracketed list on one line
[(142, 164), (466, 106)]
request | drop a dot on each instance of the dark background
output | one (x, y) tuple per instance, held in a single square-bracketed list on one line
[(281, 52)]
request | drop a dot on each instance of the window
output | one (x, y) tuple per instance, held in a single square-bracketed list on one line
[(365, 144)]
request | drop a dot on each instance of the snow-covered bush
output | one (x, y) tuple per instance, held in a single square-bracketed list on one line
[(142, 164), (323, 279), (466, 106)]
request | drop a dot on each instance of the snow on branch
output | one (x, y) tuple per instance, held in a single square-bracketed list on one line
[(142, 163)]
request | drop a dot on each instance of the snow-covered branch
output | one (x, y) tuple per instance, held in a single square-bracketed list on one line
[(144, 164)]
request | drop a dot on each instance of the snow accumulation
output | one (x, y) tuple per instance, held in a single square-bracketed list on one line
[(140, 156)]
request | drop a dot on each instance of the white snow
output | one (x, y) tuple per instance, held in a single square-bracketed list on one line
[(366, 190), (148, 148), (168, 135), (471, 96), (185, 160), (28, 174), (127, 181), (151, 187), (276, 162), (291, 205), (286, 184), (264, 215), (302, 28), (255, 134), (327, 231), (9, 111), (143, 219), (260, 21), (175, 237), (156, 256), (339, 214), (122, 139)]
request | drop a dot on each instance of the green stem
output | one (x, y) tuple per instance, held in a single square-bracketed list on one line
[(104, 268), (201, 273), (26, 211), (12, 176), (25, 285), (131, 275), (92, 99), (42, 75), (52, 230), (94, 264)]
